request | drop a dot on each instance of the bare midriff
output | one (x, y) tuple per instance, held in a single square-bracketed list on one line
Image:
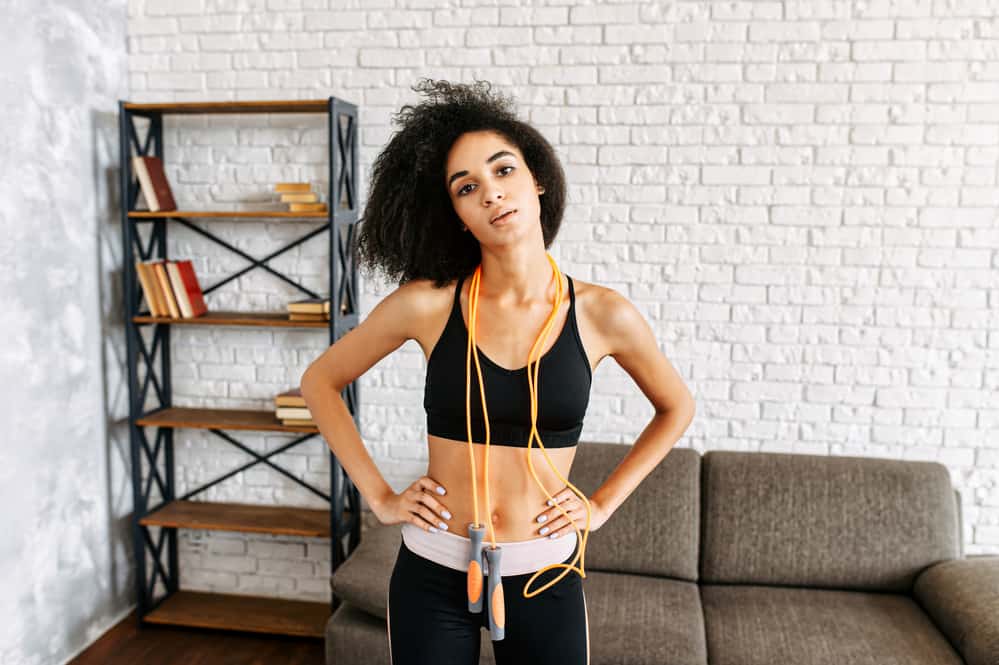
[(516, 498)]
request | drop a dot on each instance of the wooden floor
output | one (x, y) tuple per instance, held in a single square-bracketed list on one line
[(126, 643)]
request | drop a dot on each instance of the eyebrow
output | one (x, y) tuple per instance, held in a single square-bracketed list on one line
[(459, 174)]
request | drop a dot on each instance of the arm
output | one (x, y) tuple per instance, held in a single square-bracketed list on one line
[(962, 598), (633, 345), (384, 330)]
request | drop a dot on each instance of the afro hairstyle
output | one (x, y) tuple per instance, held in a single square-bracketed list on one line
[(409, 228)]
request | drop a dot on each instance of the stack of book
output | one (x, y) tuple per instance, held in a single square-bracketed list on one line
[(310, 309), (171, 289), (299, 197), (153, 183), (290, 409)]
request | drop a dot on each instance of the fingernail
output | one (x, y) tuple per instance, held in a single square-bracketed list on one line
[(440, 490), (433, 529), (554, 535), (446, 514), (544, 530), (550, 502), (542, 518), (443, 526)]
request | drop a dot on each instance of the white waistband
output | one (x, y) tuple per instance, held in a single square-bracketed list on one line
[(518, 557)]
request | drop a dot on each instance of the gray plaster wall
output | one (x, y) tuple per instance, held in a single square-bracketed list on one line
[(66, 574)]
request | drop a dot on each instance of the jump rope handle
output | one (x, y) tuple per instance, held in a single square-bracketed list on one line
[(475, 577), (497, 609)]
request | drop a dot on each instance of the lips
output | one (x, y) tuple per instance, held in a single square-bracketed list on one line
[(504, 212)]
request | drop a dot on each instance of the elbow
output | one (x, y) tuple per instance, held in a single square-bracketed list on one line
[(314, 382), (309, 382)]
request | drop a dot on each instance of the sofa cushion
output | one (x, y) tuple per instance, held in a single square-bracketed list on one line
[(354, 636), (363, 579), (760, 625), (826, 522), (656, 530), (639, 620)]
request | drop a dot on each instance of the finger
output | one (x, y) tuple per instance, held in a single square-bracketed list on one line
[(434, 505), (560, 523), (428, 515), (430, 485), (422, 523), (552, 513), (560, 496)]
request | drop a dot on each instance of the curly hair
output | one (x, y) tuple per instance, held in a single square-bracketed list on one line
[(409, 228)]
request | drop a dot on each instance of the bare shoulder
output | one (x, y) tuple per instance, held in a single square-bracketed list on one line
[(592, 304), (609, 315), (427, 309)]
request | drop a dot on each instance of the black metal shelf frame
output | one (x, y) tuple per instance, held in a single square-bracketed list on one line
[(341, 222)]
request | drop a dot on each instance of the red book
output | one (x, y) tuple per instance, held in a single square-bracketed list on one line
[(190, 299), (152, 180)]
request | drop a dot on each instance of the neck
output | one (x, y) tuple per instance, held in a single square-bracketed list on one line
[(517, 278)]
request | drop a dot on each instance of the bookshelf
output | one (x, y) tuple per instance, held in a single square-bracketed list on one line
[(158, 511)]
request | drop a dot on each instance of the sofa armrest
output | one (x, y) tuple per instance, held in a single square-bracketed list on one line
[(962, 598), (363, 579)]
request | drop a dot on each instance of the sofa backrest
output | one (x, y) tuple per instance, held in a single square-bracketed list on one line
[(824, 521), (655, 531)]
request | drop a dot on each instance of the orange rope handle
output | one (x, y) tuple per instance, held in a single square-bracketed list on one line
[(580, 554)]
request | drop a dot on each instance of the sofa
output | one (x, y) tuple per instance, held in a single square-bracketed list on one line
[(749, 558)]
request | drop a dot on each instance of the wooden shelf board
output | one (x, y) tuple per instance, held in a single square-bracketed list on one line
[(250, 518), (145, 214), (228, 419), (247, 613), (273, 106), (231, 318)]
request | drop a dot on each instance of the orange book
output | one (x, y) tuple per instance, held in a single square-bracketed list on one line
[(291, 397), (158, 305), (152, 180), (147, 287), (310, 197), (307, 207), (294, 422), (164, 281), (310, 306), (292, 187)]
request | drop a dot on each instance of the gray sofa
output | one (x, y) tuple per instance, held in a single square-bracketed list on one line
[(748, 558)]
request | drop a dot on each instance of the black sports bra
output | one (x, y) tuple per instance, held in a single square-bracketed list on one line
[(563, 388)]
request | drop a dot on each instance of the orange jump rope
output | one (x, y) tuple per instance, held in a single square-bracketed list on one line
[(476, 530)]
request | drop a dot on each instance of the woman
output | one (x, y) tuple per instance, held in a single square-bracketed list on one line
[(465, 200)]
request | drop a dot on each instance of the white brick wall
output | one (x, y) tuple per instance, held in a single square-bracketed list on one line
[(800, 196)]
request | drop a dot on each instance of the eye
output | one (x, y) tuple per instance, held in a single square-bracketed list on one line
[(461, 191)]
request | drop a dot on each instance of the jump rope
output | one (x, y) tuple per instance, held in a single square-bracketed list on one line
[(476, 530)]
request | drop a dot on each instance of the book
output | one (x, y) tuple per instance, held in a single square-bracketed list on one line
[(310, 306), (292, 187), (311, 197), (294, 422), (190, 298), (153, 182), (293, 413), (159, 300), (291, 397), (147, 288), (307, 207), (166, 289), (293, 316)]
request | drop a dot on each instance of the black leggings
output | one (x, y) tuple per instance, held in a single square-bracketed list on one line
[(429, 622)]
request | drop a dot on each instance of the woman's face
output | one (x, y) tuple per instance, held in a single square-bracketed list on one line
[(486, 175)]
